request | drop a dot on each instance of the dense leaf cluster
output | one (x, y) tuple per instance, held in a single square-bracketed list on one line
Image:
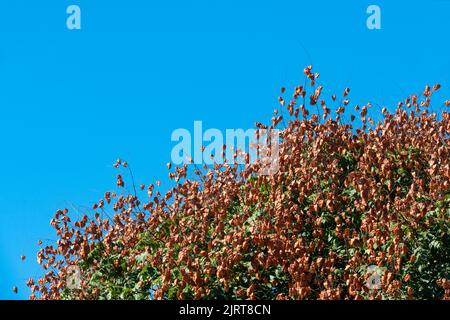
[(350, 193)]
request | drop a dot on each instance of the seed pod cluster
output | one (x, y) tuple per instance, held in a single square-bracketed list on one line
[(347, 195)]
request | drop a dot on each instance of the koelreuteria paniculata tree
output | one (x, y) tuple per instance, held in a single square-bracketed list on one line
[(350, 193)]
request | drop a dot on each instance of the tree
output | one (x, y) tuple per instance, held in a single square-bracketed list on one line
[(349, 195)]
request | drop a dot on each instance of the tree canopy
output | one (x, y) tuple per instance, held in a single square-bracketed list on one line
[(350, 193)]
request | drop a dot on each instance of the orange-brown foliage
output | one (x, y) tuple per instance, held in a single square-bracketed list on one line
[(346, 197)]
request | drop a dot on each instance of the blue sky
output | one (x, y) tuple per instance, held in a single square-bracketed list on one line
[(73, 101)]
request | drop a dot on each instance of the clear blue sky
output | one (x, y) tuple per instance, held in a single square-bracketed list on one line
[(71, 102)]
